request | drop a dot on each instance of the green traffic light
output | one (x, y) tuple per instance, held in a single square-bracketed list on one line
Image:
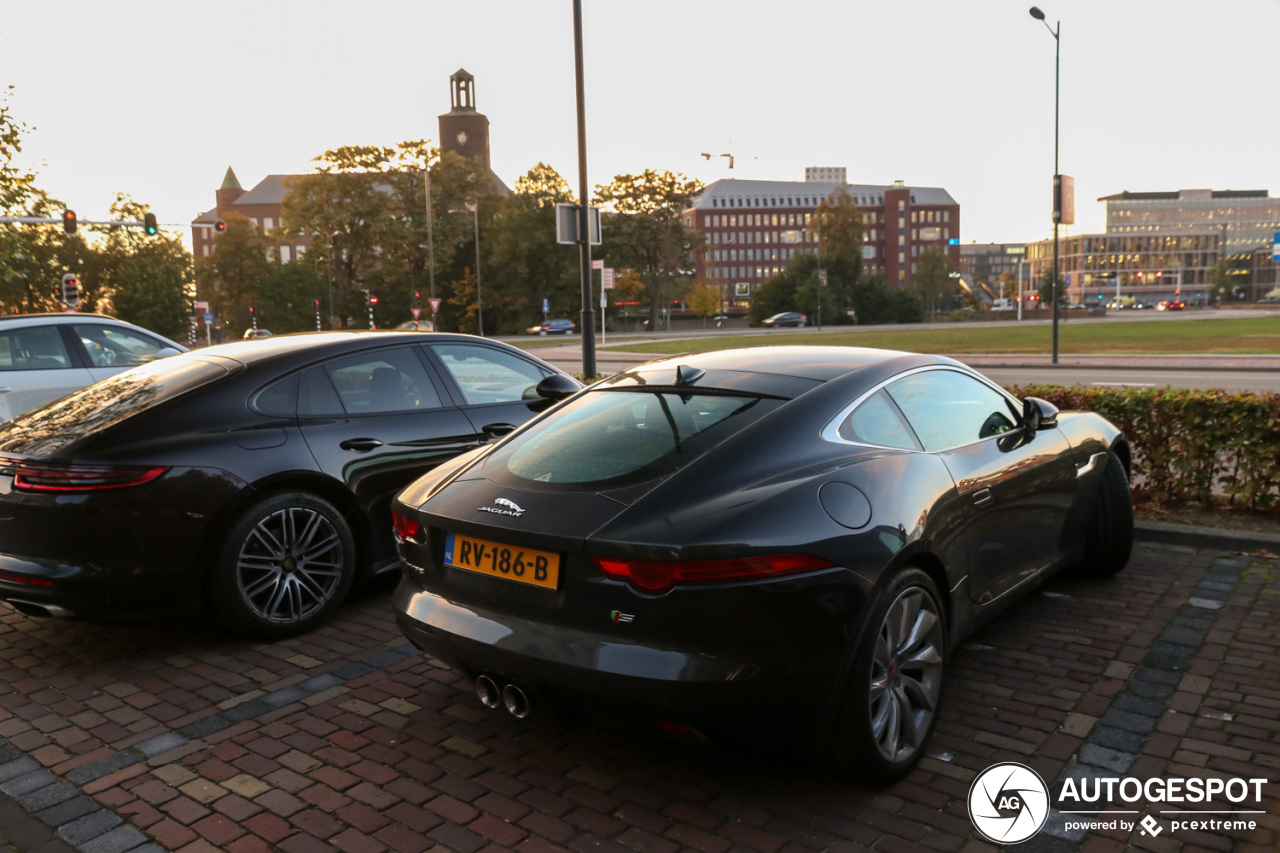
[(149, 224)]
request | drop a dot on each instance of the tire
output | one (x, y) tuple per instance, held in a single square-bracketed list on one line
[(1109, 535), (287, 563), (891, 698)]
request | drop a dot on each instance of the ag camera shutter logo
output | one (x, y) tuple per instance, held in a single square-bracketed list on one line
[(1008, 803)]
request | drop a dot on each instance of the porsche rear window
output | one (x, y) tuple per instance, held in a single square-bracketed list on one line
[(109, 402), (615, 437)]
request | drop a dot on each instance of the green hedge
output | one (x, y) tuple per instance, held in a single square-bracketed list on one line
[(1202, 447)]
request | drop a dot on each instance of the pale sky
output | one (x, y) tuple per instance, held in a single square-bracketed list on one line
[(157, 99)]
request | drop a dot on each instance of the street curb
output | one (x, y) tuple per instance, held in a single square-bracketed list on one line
[(1192, 536)]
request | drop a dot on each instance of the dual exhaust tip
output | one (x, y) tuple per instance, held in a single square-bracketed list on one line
[(511, 696)]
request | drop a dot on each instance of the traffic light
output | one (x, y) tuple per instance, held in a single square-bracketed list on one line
[(149, 224), (69, 221), (71, 289), (220, 227)]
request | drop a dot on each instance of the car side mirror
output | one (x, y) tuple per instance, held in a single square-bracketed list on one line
[(557, 386), (1039, 414), (165, 352)]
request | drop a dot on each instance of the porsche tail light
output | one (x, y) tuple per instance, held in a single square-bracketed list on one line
[(52, 477), (660, 575), (407, 529)]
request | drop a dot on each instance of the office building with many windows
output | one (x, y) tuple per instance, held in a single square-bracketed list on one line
[(1159, 245), (754, 228)]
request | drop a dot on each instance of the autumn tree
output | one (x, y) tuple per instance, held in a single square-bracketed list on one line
[(933, 277), (646, 233)]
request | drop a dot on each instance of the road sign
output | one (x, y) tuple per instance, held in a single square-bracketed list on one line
[(1275, 247), (606, 278), (415, 312), (546, 307), (597, 264), (567, 224), (208, 318), (435, 305)]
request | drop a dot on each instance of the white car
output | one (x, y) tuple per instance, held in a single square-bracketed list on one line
[(44, 356)]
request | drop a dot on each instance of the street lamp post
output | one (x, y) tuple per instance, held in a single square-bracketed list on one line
[(1057, 188), (475, 212)]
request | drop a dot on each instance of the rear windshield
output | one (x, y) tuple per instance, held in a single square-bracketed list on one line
[(608, 439), (55, 425)]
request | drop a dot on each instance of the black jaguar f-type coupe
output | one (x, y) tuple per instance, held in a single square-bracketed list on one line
[(777, 540)]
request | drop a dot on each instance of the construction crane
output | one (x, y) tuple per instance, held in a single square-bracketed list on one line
[(709, 156)]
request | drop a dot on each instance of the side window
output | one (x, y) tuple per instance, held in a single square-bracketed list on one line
[(33, 348), (949, 409), (488, 375), (877, 421), (388, 380), (111, 347)]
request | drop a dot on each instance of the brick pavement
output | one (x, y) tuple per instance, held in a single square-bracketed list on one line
[(119, 738)]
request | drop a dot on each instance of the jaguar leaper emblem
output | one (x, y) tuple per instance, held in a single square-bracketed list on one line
[(510, 508)]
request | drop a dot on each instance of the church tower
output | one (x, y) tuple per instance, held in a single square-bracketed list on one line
[(463, 130)]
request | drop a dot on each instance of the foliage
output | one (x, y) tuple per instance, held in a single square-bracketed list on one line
[(933, 279), (1046, 288), (1189, 446), (523, 263), (144, 279), (705, 300), (840, 232), (644, 231), (235, 273)]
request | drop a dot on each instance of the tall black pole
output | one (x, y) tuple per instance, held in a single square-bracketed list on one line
[(584, 201), (1057, 180)]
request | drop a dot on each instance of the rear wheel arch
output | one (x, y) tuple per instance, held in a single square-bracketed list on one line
[(298, 481)]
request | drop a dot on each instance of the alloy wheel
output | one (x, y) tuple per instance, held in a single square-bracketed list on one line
[(290, 565), (906, 675)]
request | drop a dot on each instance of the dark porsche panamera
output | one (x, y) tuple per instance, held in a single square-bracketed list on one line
[(777, 541), (252, 478)]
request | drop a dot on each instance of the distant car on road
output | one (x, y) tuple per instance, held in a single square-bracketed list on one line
[(1171, 305), (562, 326), (786, 318), (43, 356), (251, 334)]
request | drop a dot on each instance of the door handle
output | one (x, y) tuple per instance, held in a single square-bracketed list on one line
[(360, 444), (983, 497), (497, 430)]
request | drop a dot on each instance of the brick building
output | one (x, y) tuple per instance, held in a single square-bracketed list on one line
[(753, 228)]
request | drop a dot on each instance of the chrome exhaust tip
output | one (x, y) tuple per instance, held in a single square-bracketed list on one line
[(516, 701), (488, 692), (39, 609)]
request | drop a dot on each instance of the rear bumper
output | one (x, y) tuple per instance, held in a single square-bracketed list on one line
[(714, 693)]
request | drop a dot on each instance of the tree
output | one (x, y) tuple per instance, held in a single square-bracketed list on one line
[(646, 233), (17, 188), (1047, 288), (840, 235), (145, 280), (1008, 283), (233, 275), (933, 278), (523, 262), (705, 300)]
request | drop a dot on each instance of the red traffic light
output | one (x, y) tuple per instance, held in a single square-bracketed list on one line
[(220, 227), (70, 290), (69, 221)]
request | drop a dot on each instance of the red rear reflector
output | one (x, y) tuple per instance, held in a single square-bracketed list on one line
[(406, 528), (659, 575), (80, 478), (10, 577)]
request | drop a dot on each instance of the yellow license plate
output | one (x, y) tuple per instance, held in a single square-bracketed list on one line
[(523, 565)]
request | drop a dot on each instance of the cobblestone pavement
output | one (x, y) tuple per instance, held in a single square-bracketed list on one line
[(117, 738)]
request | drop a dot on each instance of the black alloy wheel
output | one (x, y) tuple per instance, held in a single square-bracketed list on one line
[(894, 688), (287, 563)]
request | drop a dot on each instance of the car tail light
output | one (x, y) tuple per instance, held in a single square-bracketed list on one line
[(10, 577), (50, 477), (660, 575), (407, 529)]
